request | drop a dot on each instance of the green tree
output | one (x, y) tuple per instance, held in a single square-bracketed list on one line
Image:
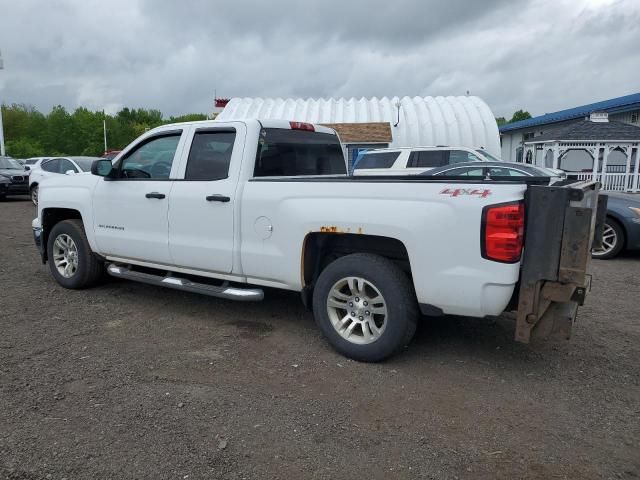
[(520, 115)]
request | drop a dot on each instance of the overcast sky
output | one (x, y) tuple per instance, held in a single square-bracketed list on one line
[(540, 55)]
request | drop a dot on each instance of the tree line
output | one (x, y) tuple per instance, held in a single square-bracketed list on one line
[(30, 133)]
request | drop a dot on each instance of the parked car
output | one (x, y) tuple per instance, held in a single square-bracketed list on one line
[(622, 225), (56, 166), (414, 160), (13, 179), (490, 170), (34, 162), (226, 208)]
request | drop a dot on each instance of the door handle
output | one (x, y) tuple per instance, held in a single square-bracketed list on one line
[(218, 198), (155, 195)]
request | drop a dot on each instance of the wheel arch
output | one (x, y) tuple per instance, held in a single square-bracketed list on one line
[(52, 216), (321, 248)]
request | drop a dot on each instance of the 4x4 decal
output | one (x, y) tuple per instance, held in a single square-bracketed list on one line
[(457, 192)]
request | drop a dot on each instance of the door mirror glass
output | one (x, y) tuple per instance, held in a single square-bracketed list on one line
[(101, 168)]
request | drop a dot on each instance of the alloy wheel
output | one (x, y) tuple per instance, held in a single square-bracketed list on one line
[(65, 255), (357, 310), (609, 241)]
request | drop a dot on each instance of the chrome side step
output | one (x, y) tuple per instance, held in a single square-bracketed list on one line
[(223, 291)]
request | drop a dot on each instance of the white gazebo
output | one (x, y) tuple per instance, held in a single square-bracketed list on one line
[(594, 148)]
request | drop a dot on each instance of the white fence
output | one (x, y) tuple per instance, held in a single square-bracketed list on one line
[(612, 182)]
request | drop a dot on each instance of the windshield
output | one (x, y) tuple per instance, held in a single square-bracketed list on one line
[(10, 164), (488, 155), (84, 163)]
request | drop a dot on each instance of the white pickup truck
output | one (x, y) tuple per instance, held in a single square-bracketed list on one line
[(226, 208)]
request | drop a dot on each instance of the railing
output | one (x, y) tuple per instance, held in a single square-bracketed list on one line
[(612, 182)]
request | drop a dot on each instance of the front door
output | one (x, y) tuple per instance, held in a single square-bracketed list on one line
[(131, 207), (203, 204)]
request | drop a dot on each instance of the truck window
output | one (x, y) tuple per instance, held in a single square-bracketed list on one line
[(377, 160), (151, 160), (286, 153), (429, 158), (210, 155)]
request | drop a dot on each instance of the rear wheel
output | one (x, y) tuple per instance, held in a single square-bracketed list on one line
[(33, 192), (612, 240), (365, 306), (71, 260)]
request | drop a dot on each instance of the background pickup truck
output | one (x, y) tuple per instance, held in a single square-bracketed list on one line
[(224, 209)]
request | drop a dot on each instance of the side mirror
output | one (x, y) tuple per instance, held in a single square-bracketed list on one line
[(27, 168), (70, 172), (102, 167)]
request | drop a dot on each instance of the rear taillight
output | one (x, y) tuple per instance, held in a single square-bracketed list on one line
[(503, 232), (302, 126)]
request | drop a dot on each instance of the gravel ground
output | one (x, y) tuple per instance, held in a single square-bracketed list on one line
[(132, 381)]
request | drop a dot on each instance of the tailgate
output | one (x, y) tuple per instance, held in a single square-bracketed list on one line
[(563, 223)]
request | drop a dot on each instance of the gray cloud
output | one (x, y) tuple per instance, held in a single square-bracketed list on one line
[(541, 55)]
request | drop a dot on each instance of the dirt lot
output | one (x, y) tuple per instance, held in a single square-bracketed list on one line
[(132, 381)]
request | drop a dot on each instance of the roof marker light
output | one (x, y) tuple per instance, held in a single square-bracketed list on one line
[(302, 126)]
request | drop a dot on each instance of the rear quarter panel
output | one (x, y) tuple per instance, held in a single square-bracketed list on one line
[(440, 231)]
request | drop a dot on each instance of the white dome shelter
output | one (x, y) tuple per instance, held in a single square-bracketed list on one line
[(380, 122)]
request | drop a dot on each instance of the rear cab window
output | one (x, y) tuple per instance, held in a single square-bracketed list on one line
[(376, 160), (289, 153)]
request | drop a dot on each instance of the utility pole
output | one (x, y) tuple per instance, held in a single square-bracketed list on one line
[(2, 151), (104, 130)]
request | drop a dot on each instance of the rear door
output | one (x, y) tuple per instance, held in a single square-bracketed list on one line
[(204, 200)]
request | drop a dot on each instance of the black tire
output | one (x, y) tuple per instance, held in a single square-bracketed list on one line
[(3, 197), (399, 297), (620, 240), (89, 269)]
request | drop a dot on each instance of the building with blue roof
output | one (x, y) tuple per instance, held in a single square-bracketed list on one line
[(513, 136)]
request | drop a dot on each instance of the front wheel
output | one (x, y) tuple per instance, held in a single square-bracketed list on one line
[(71, 260), (365, 306)]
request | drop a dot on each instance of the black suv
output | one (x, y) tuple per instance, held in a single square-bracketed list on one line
[(13, 178)]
